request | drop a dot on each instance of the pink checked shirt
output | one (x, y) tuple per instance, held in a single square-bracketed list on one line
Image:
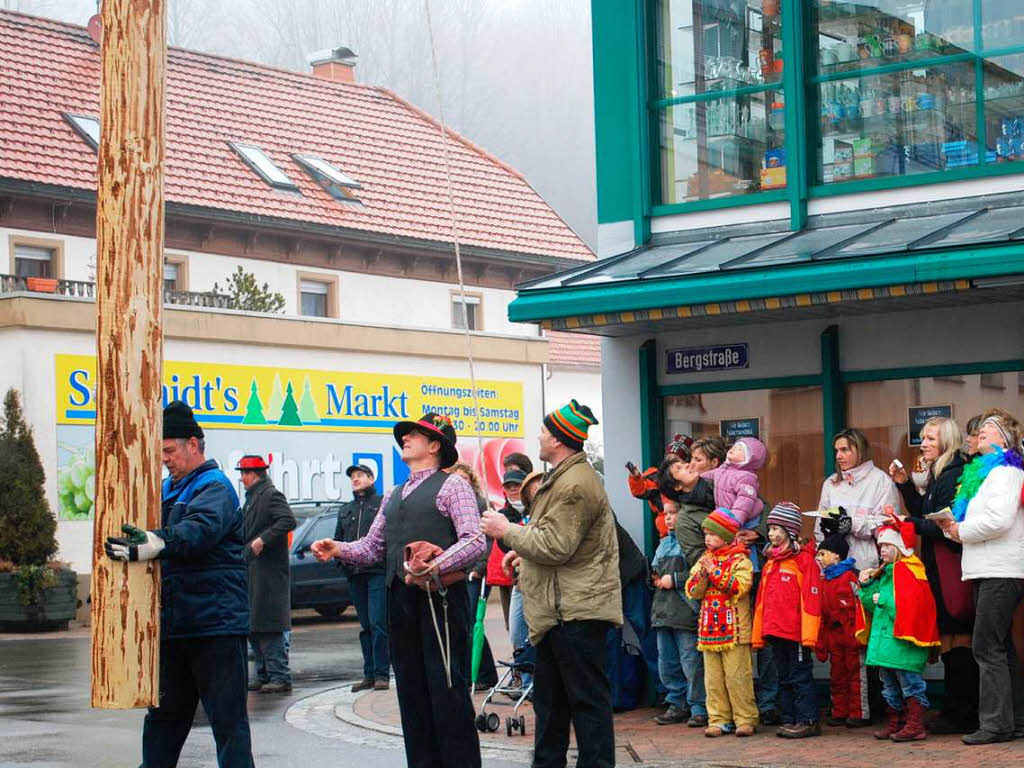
[(455, 500)]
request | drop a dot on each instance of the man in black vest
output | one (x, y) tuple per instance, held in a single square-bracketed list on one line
[(366, 583), (431, 672)]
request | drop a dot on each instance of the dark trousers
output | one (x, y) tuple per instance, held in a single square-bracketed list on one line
[(797, 700), (437, 720), (487, 674), (208, 669), (995, 601), (960, 697), (369, 596), (271, 656), (569, 685)]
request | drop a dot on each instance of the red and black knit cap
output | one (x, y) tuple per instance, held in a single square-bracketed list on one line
[(251, 462), (722, 523), (569, 424), (680, 446)]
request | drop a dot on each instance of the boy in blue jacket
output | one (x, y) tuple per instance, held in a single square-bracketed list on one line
[(674, 619)]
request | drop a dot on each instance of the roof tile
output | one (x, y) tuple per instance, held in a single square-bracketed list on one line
[(392, 148)]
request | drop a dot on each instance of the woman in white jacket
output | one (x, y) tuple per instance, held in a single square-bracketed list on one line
[(989, 521), (863, 490)]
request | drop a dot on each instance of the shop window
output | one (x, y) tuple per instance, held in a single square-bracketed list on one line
[(716, 142), (880, 408), (318, 295), (36, 258), (470, 318), (788, 421), (906, 87)]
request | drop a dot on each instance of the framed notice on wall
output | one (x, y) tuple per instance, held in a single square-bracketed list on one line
[(917, 416), (733, 429)]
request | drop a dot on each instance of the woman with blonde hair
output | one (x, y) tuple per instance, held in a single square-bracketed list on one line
[(941, 441)]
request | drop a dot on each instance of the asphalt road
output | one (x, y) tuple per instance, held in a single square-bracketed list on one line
[(45, 718)]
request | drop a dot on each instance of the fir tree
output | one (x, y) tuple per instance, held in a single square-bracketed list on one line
[(273, 412), (254, 408), (246, 293), (307, 407), (289, 411), (27, 526)]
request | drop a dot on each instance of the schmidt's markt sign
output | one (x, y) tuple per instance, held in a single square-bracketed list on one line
[(725, 357)]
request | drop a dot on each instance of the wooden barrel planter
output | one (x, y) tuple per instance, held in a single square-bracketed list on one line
[(53, 606)]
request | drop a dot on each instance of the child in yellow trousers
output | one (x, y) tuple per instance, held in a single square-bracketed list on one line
[(721, 580)]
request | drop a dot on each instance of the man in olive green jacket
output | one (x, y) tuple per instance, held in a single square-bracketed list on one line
[(569, 578)]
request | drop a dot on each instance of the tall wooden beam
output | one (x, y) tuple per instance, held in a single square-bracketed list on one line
[(129, 244)]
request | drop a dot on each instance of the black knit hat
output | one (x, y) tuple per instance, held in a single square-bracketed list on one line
[(439, 428), (836, 543), (179, 422)]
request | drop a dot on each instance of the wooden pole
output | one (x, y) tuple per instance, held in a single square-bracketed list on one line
[(129, 299)]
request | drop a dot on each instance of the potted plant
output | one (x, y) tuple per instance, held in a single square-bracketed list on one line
[(36, 593), (41, 284)]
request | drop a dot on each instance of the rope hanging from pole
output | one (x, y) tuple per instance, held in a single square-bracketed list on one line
[(455, 239)]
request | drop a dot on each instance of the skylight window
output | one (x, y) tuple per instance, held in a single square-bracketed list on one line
[(318, 166), (265, 168), (338, 184), (86, 127)]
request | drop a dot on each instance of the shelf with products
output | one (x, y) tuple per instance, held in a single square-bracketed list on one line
[(859, 36)]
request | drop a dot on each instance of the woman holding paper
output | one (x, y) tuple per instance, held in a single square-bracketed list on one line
[(941, 440), (863, 490), (988, 519)]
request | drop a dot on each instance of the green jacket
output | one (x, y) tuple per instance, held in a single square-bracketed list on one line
[(884, 650), (570, 566), (694, 507)]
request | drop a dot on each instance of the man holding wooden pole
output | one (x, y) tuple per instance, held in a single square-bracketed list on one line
[(204, 600)]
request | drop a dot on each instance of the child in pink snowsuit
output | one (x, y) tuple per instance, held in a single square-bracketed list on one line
[(735, 482)]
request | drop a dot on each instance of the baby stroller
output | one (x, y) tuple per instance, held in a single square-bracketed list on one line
[(523, 659)]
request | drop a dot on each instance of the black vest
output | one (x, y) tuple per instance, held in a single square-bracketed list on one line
[(414, 518)]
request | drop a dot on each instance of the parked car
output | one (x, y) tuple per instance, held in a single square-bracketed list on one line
[(320, 586)]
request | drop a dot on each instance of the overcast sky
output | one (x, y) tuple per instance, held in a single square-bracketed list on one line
[(516, 75)]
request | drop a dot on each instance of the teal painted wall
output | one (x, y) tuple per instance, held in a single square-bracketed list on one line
[(618, 56)]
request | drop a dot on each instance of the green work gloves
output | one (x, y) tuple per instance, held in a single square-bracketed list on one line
[(136, 545)]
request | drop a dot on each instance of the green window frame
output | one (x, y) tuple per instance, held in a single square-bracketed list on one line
[(659, 107), (800, 86)]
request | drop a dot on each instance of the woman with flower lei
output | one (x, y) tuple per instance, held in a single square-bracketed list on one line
[(989, 520)]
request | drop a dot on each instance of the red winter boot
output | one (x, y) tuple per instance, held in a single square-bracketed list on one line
[(914, 729), (893, 723)]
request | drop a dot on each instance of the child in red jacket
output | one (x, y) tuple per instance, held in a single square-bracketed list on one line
[(837, 641), (787, 616)]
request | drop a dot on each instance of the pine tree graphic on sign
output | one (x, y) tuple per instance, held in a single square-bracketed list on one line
[(273, 411), (307, 407), (254, 408), (289, 411)]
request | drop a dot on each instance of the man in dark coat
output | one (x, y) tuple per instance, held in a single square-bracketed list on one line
[(366, 583), (204, 601), (268, 518)]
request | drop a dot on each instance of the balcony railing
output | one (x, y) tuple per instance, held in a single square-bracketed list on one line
[(81, 288)]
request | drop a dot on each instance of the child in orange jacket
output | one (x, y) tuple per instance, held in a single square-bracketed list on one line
[(837, 641), (787, 616)]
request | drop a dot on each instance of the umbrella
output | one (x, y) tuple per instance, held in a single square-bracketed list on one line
[(479, 637)]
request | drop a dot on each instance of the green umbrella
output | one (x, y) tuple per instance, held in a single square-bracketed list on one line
[(479, 636)]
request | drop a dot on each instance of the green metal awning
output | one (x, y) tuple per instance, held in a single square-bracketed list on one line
[(873, 255)]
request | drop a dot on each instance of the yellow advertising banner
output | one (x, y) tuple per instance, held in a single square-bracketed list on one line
[(261, 397)]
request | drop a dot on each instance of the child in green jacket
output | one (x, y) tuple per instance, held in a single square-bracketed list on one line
[(897, 622)]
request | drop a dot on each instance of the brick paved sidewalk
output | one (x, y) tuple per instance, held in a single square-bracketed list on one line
[(640, 740)]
